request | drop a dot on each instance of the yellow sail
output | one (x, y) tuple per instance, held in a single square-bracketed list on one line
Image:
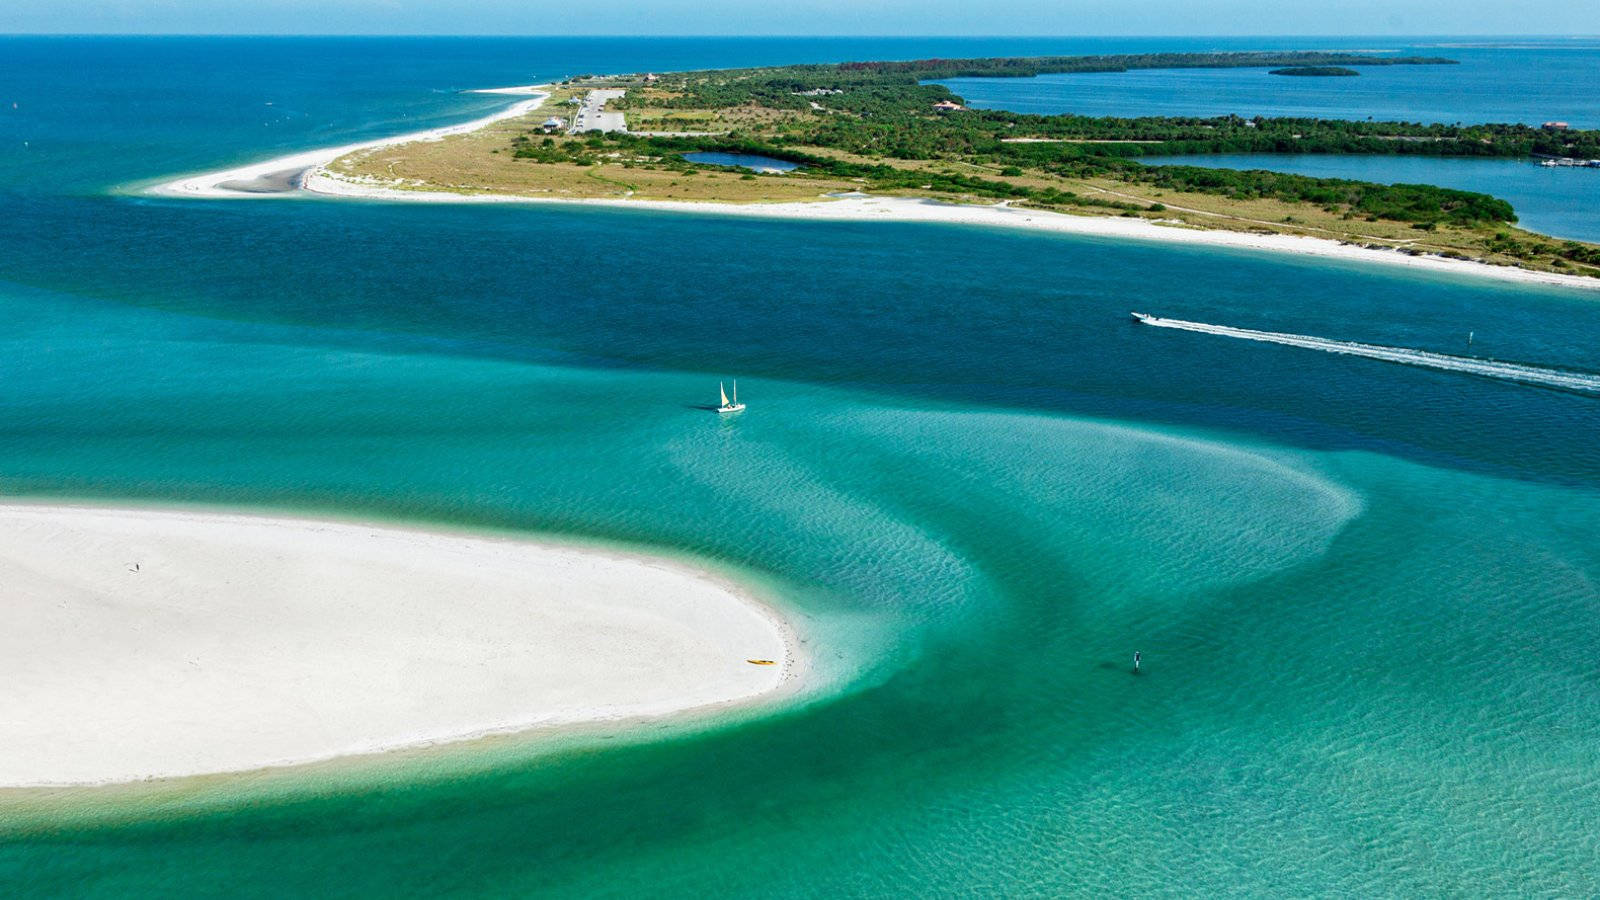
[(723, 393)]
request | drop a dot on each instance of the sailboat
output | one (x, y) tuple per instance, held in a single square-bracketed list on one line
[(728, 406)]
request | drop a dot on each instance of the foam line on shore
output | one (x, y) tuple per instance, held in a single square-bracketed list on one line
[(1522, 373)]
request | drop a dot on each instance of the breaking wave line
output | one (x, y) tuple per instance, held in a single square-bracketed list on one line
[(1488, 368)]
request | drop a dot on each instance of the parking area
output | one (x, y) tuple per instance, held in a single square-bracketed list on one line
[(592, 115)]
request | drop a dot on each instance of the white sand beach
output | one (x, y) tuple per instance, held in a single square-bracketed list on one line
[(235, 182), (140, 644), (864, 207)]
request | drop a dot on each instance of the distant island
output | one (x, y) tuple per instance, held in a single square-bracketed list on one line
[(810, 134), (1315, 71)]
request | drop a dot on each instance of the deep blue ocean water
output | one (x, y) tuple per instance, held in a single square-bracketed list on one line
[(1365, 592)]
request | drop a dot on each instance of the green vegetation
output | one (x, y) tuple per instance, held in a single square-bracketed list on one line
[(876, 114), (865, 121), (551, 151), (1399, 202), (885, 109), (885, 128), (1233, 134), (1420, 203), (1316, 71)]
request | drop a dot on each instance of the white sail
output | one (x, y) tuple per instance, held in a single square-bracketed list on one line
[(724, 393), (735, 392)]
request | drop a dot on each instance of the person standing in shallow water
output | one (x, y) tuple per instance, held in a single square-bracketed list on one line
[(1137, 657)]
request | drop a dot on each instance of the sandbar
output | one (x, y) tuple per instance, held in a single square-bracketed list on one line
[(139, 644)]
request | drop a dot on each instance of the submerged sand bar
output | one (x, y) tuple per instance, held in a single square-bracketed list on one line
[(138, 644)]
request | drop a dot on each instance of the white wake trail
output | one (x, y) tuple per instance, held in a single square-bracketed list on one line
[(1488, 368)]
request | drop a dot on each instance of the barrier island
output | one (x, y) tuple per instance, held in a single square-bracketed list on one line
[(888, 130)]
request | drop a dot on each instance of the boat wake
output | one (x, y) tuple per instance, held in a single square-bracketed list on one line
[(1488, 368)]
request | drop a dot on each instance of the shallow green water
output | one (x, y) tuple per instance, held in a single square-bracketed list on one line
[(1362, 673), (1365, 593)]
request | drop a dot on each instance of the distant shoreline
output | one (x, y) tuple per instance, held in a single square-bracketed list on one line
[(308, 168)]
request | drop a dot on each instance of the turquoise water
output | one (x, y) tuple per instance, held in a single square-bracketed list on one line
[(752, 161), (1559, 201), (1365, 593)]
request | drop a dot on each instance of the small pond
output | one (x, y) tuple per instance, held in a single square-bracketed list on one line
[(751, 161)]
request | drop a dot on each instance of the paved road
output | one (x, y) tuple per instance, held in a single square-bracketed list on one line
[(592, 115)]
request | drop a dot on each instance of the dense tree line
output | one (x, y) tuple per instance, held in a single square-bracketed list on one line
[(886, 109), (777, 86), (1024, 67), (1417, 203), (1316, 71)]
